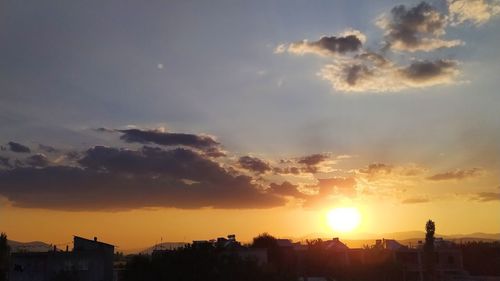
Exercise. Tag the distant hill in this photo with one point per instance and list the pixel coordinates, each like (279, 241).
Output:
(357, 241)
(35, 246)
(405, 238)
(404, 235)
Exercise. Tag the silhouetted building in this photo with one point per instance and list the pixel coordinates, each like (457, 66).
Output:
(90, 260)
(448, 261)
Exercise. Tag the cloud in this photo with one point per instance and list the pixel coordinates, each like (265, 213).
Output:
(254, 164)
(487, 196)
(373, 73)
(105, 130)
(377, 171)
(114, 179)
(430, 72)
(37, 160)
(330, 190)
(476, 12)
(287, 170)
(407, 29)
(419, 28)
(336, 185)
(350, 41)
(415, 200)
(312, 162)
(4, 162)
(19, 148)
(201, 142)
(313, 159)
(287, 189)
(377, 168)
(457, 175)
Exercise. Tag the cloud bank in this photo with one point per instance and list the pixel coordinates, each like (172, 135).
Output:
(168, 171)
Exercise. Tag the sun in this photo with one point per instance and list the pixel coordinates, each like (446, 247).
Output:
(343, 219)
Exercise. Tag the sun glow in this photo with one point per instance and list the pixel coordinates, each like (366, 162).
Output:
(343, 219)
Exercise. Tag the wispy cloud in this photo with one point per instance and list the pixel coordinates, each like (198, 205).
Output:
(457, 174)
(487, 196)
(415, 200)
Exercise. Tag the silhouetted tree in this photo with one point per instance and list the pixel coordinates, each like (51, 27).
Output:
(282, 261)
(429, 254)
(265, 240)
(197, 264)
(4, 256)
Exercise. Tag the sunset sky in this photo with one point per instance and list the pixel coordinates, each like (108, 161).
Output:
(178, 120)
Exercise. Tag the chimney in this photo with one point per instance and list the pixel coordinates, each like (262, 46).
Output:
(95, 239)
(67, 248)
(55, 249)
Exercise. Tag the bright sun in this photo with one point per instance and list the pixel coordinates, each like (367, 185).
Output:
(343, 219)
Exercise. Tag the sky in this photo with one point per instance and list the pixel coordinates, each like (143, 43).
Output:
(183, 120)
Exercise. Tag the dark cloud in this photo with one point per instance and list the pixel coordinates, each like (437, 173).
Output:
(487, 196)
(287, 189)
(457, 175)
(353, 72)
(201, 142)
(415, 200)
(254, 164)
(287, 170)
(416, 29)
(312, 161)
(17, 147)
(423, 71)
(113, 179)
(37, 160)
(352, 41)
